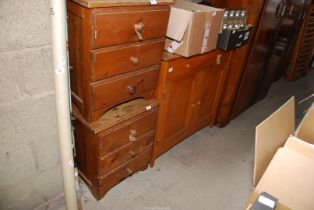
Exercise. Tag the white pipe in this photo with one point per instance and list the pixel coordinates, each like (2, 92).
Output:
(60, 64)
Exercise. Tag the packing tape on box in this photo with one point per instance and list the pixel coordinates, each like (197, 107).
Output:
(205, 39)
(173, 46)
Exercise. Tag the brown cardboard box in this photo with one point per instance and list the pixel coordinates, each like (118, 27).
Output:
(193, 29)
(284, 164)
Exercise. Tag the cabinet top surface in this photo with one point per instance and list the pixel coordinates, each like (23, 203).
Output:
(117, 114)
(113, 3)
(171, 56)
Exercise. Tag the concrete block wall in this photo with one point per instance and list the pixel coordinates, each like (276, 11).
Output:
(30, 171)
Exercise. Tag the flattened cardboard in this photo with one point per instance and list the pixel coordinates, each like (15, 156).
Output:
(289, 177)
(271, 134)
(300, 146)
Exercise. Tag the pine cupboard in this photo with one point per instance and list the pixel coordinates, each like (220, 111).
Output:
(189, 91)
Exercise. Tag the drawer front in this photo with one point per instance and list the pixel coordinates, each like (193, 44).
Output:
(184, 66)
(120, 27)
(130, 132)
(137, 164)
(125, 153)
(106, 93)
(118, 60)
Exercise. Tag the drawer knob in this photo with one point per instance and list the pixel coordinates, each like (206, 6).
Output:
(132, 136)
(132, 153)
(129, 171)
(218, 60)
(130, 89)
(138, 30)
(134, 60)
(198, 102)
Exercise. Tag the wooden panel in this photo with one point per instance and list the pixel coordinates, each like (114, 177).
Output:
(118, 136)
(116, 3)
(122, 59)
(204, 105)
(125, 153)
(86, 151)
(113, 28)
(175, 116)
(106, 93)
(74, 27)
(189, 91)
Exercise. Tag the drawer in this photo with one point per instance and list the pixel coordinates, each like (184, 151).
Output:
(114, 27)
(184, 66)
(120, 136)
(112, 91)
(137, 164)
(118, 60)
(125, 153)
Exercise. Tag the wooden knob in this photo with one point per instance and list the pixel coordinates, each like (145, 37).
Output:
(133, 132)
(198, 102)
(132, 138)
(192, 105)
(132, 153)
(130, 89)
(218, 60)
(138, 30)
(134, 60)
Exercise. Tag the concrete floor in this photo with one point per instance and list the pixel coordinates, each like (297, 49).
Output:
(211, 170)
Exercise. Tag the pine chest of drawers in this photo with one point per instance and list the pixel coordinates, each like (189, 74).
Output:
(117, 145)
(115, 50)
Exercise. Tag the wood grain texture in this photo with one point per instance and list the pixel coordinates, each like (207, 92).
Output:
(116, 115)
(111, 152)
(106, 93)
(115, 27)
(238, 58)
(189, 90)
(108, 62)
(94, 69)
(269, 52)
(116, 3)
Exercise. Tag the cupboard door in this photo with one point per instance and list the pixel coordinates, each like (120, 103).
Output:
(173, 121)
(204, 104)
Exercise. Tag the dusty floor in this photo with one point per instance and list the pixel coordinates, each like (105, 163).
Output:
(211, 170)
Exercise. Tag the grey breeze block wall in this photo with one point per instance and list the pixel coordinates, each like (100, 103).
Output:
(30, 171)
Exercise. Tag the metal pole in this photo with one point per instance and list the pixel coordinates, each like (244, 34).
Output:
(60, 65)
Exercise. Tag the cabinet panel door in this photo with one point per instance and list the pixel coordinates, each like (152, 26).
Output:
(204, 104)
(173, 121)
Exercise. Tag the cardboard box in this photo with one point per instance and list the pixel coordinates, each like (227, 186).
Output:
(230, 39)
(284, 159)
(193, 29)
